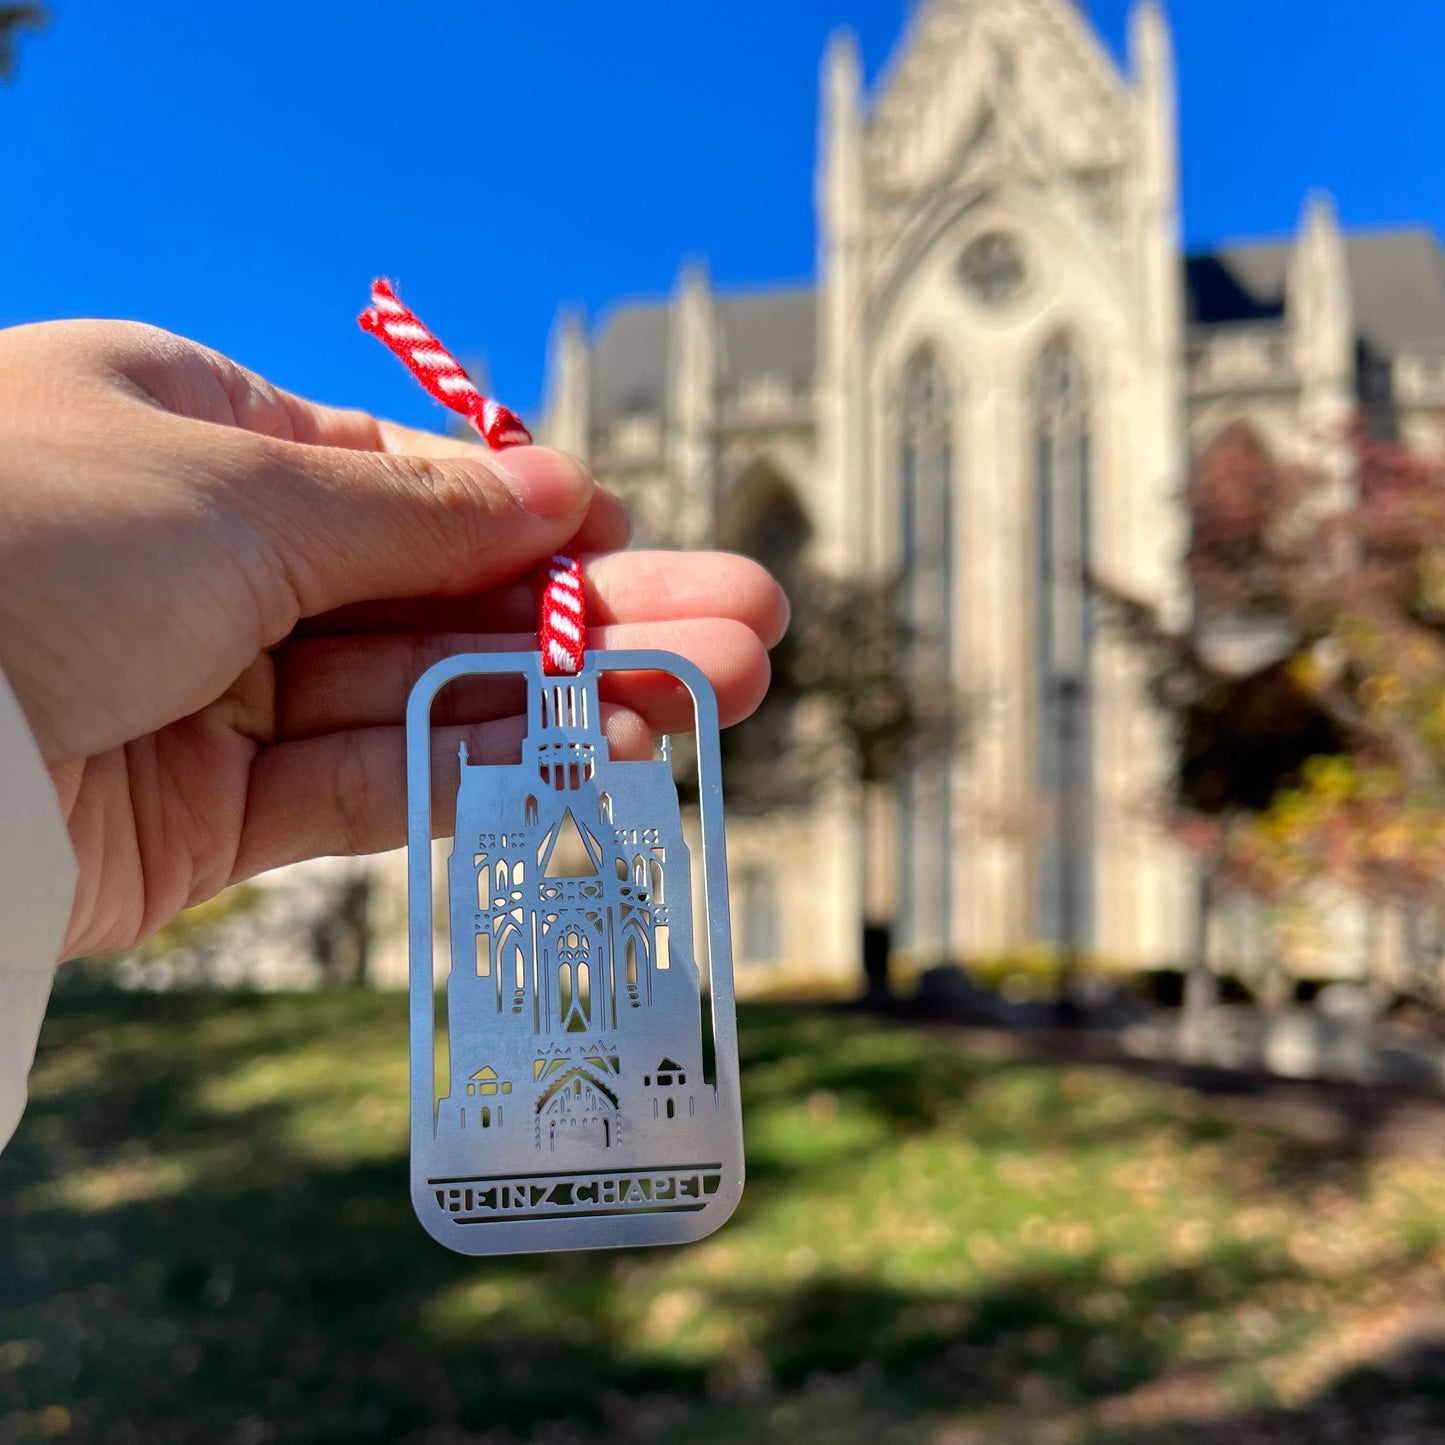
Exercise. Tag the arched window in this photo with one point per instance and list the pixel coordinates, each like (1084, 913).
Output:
(574, 982)
(1063, 643)
(635, 962)
(925, 527)
(762, 518)
(580, 1018)
(510, 958)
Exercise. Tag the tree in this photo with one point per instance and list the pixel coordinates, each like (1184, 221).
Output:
(1309, 690)
(840, 703)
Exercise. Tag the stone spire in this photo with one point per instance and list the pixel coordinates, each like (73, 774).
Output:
(840, 201)
(569, 383)
(1320, 311)
(1157, 265)
(840, 184)
(692, 355)
(1151, 51)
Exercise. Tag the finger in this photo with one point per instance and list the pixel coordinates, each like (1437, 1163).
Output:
(257, 406)
(329, 684)
(338, 527)
(630, 587)
(202, 386)
(346, 793)
(355, 508)
(607, 527)
(398, 503)
(269, 411)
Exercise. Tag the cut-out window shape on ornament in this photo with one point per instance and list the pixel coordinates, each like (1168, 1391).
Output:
(574, 981)
(569, 851)
(485, 1081)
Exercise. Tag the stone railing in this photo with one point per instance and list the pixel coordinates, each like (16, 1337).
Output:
(1224, 358)
(766, 400)
(632, 440)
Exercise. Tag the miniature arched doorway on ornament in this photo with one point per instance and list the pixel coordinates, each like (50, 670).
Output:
(578, 1107)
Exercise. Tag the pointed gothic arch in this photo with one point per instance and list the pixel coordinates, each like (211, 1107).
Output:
(1226, 436)
(636, 951)
(576, 998)
(578, 1101)
(762, 517)
(1060, 409)
(509, 958)
(569, 850)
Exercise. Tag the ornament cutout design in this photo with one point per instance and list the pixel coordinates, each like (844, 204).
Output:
(583, 1102)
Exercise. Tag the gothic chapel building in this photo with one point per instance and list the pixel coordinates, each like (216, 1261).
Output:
(993, 390)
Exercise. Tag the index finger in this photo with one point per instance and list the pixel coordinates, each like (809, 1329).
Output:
(261, 407)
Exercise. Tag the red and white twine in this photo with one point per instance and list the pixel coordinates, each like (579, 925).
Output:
(562, 618)
(438, 370)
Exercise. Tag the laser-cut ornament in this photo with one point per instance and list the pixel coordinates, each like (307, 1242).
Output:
(575, 1105)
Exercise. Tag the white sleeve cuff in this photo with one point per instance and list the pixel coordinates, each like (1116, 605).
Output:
(37, 888)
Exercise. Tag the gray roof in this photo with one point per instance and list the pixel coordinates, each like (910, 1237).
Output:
(1397, 278)
(629, 362)
(771, 331)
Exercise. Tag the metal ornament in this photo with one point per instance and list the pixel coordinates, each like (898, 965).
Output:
(577, 1107)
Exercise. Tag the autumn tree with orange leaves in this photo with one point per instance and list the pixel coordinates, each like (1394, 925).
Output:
(1309, 690)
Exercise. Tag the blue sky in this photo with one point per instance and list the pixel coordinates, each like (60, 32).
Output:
(238, 173)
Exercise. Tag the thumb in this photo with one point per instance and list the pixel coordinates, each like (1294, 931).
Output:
(350, 526)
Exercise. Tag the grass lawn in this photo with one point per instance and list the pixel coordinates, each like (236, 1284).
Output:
(205, 1236)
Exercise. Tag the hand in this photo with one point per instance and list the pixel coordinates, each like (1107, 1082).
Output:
(214, 598)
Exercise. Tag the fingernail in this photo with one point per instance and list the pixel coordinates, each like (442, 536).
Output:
(544, 482)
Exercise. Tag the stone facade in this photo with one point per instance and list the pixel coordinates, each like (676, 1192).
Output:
(994, 389)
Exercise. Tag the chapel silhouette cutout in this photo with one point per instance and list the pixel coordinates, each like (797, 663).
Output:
(574, 1003)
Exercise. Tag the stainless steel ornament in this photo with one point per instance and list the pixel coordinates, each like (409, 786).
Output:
(578, 1108)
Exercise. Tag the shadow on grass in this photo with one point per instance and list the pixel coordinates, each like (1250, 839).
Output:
(227, 1285)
